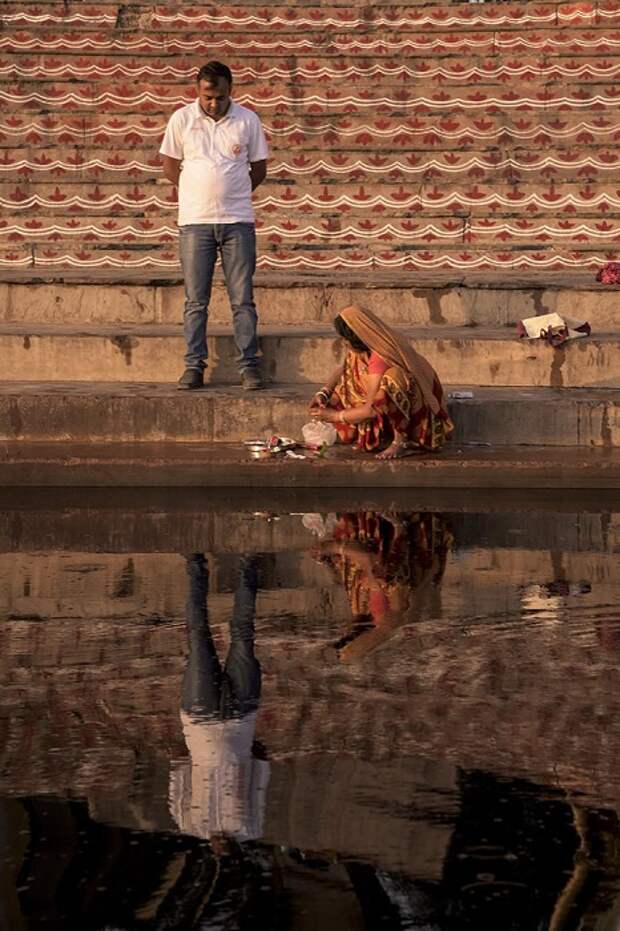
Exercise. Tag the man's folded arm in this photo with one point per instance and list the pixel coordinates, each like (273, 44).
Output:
(258, 172)
(172, 168)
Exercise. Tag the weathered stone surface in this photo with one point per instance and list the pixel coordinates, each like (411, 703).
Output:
(219, 466)
(466, 356)
(159, 413)
(411, 300)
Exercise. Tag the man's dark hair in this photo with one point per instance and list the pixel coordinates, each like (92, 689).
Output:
(344, 330)
(213, 71)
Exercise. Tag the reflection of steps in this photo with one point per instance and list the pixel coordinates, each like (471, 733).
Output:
(209, 525)
(55, 606)
(479, 677)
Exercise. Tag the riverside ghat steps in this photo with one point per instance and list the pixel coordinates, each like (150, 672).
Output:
(524, 392)
(404, 136)
(453, 166)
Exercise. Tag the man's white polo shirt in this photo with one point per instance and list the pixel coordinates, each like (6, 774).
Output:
(215, 185)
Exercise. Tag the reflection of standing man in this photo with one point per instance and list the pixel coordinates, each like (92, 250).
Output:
(215, 151)
(221, 790)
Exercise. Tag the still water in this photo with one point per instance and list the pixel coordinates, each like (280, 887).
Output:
(371, 716)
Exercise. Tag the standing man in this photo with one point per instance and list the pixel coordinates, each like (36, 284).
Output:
(216, 152)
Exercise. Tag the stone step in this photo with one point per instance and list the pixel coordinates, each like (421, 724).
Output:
(39, 156)
(453, 299)
(295, 87)
(401, 16)
(167, 465)
(303, 196)
(457, 43)
(496, 169)
(276, 99)
(44, 261)
(462, 356)
(160, 234)
(302, 69)
(138, 413)
(423, 131)
(323, 22)
(434, 137)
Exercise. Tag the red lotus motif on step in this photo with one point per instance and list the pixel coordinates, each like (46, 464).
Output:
(449, 125)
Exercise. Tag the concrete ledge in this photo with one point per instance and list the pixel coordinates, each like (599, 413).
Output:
(117, 413)
(406, 298)
(304, 355)
(179, 464)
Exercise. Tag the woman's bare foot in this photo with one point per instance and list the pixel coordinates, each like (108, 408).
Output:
(396, 450)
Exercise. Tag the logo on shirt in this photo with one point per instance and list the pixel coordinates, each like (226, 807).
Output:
(236, 150)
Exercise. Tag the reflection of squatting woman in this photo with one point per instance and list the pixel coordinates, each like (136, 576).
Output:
(391, 566)
(221, 790)
(385, 397)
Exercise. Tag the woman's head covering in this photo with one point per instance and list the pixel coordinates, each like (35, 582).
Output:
(394, 349)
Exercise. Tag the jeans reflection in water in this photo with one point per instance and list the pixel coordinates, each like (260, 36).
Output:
(221, 789)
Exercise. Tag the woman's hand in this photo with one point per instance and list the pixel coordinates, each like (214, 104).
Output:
(327, 415)
(320, 400)
(317, 403)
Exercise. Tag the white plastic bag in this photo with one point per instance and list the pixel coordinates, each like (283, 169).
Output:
(317, 433)
(320, 526)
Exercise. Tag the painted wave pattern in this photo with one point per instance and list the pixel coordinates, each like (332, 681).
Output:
(55, 70)
(580, 13)
(593, 42)
(398, 133)
(413, 165)
(340, 209)
(165, 98)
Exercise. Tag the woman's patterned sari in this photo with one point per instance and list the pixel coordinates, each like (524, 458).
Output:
(397, 408)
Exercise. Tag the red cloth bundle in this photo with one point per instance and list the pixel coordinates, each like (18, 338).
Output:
(609, 273)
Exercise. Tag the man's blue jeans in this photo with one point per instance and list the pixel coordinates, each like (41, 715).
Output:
(210, 690)
(198, 248)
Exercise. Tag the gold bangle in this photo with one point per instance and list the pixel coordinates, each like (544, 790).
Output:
(342, 420)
